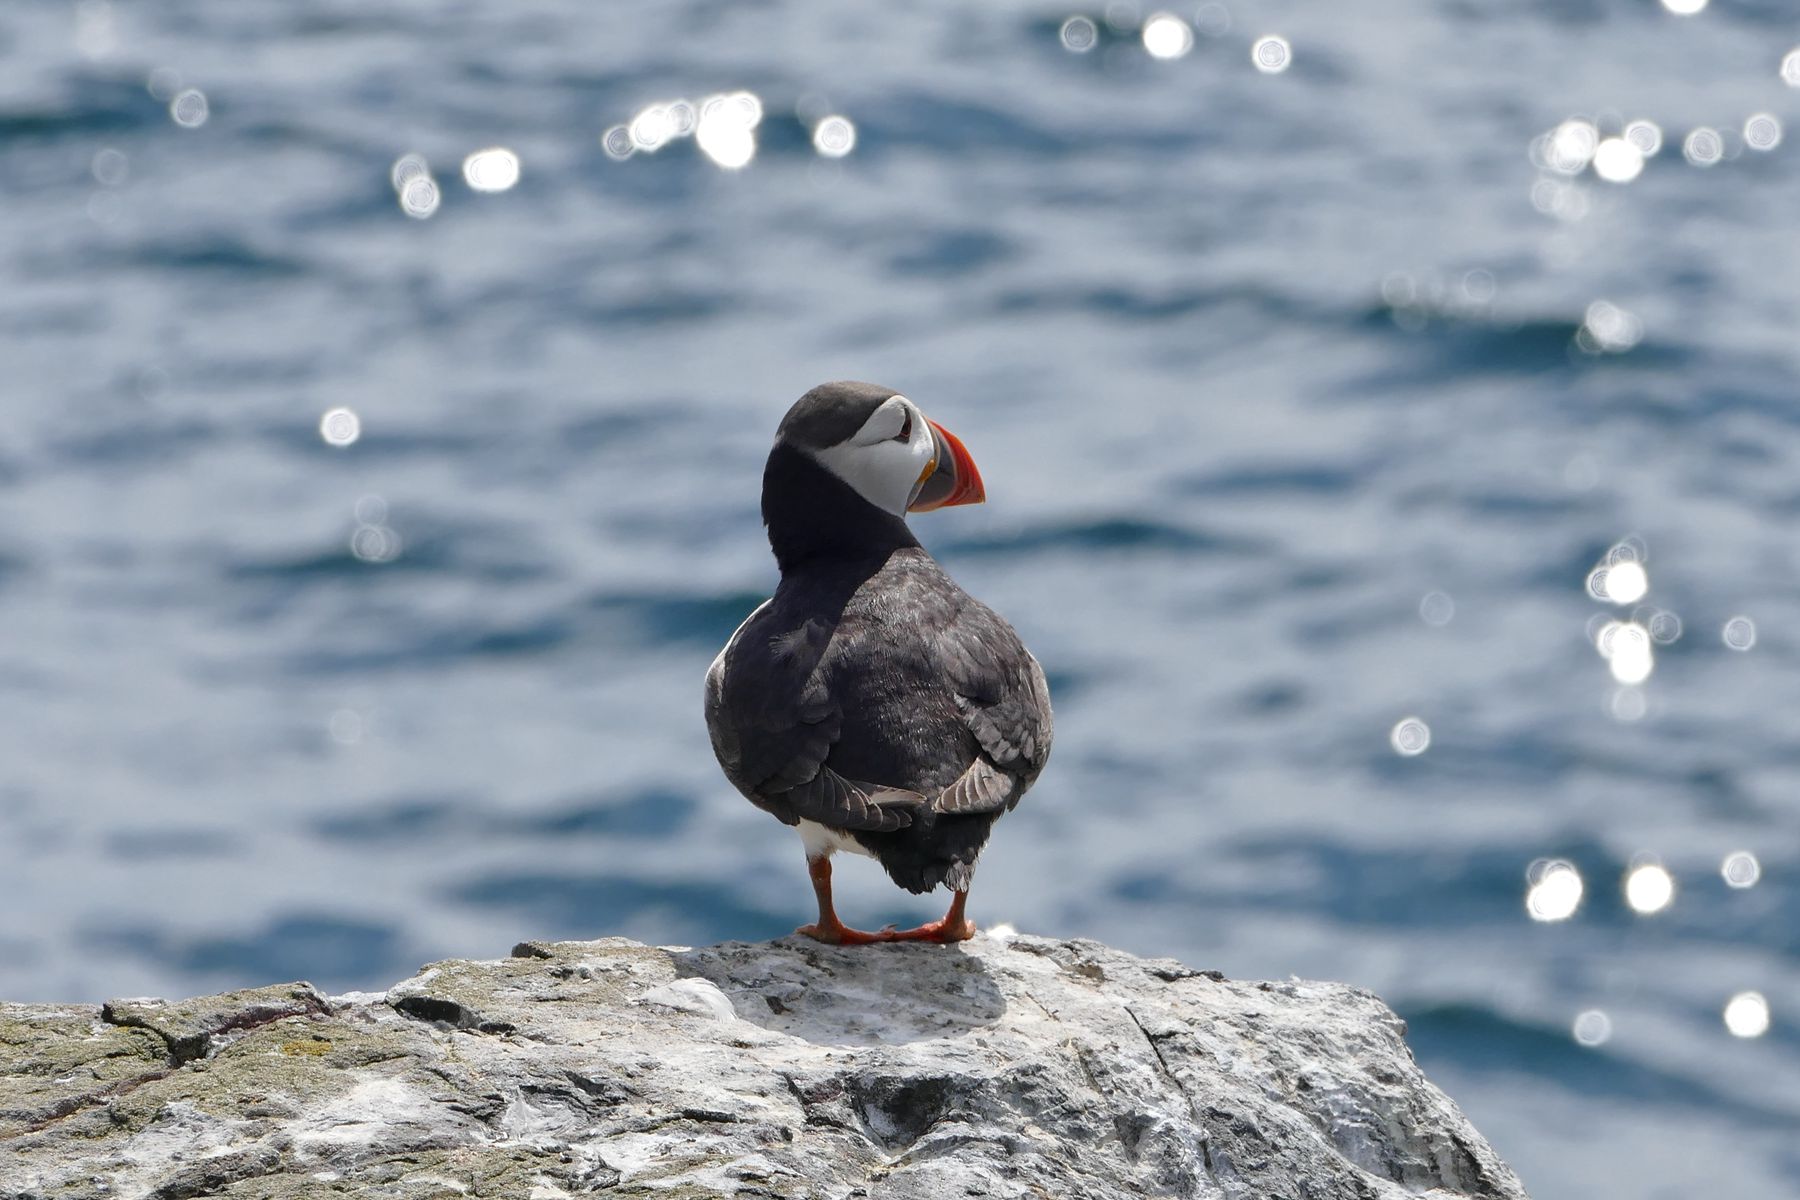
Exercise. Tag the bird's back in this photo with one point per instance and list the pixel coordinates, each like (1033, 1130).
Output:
(905, 682)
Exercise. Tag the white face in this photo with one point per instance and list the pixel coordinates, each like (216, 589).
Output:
(885, 459)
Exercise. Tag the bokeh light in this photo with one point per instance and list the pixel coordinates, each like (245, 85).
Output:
(495, 169)
(1626, 647)
(1272, 55)
(1571, 146)
(1747, 1015)
(1762, 132)
(651, 128)
(1437, 608)
(189, 109)
(1564, 201)
(1555, 891)
(1079, 35)
(406, 167)
(1646, 136)
(1167, 36)
(373, 541)
(1622, 583)
(1739, 633)
(1479, 286)
(1607, 328)
(834, 137)
(1740, 869)
(1703, 146)
(1410, 737)
(1617, 160)
(1790, 68)
(1664, 627)
(420, 197)
(340, 427)
(1592, 1028)
(110, 167)
(375, 544)
(1212, 19)
(1628, 704)
(617, 142)
(726, 129)
(1649, 888)
(723, 127)
(1122, 16)
(1684, 8)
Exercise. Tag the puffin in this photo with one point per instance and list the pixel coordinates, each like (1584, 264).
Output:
(871, 703)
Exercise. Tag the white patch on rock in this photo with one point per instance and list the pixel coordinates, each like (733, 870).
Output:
(698, 996)
(180, 1135)
(372, 1113)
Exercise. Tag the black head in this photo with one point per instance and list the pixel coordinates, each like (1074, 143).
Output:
(850, 461)
(831, 414)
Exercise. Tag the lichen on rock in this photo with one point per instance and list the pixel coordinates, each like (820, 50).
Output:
(1005, 1067)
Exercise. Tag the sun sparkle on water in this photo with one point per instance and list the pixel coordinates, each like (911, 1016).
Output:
(1649, 888)
(1167, 36)
(340, 427)
(1740, 870)
(1592, 1028)
(1703, 147)
(1617, 160)
(834, 136)
(1410, 737)
(1079, 35)
(1746, 1015)
(1555, 891)
(1272, 55)
(1739, 633)
(189, 108)
(495, 169)
(1762, 132)
(1646, 136)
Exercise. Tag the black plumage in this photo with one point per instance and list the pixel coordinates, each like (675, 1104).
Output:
(871, 694)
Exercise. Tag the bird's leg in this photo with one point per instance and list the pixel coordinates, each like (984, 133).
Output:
(829, 928)
(952, 927)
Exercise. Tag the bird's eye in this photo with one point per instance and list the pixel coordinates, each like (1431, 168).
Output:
(905, 434)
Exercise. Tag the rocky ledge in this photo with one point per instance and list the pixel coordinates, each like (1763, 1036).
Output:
(1005, 1067)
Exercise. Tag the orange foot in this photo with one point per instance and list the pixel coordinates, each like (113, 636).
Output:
(836, 933)
(941, 930)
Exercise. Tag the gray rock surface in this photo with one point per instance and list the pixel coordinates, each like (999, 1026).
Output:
(1005, 1067)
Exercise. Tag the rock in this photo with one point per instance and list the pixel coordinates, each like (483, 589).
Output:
(1005, 1067)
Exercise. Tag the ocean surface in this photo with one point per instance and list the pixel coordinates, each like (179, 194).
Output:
(1311, 379)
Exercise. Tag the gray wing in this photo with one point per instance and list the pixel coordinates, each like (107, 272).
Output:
(1002, 696)
(773, 722)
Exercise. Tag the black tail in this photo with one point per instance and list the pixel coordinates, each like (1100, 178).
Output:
(939, 849)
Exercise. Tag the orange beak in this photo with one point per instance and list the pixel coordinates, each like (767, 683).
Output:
(951, 477)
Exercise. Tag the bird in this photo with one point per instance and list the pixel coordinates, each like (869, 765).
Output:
(872, 703)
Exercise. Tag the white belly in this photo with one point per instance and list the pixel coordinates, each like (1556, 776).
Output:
(821, 840)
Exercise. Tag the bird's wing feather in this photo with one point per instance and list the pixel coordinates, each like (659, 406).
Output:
(830, 799)
(1003, 698)
(773, 722)
(980, 789)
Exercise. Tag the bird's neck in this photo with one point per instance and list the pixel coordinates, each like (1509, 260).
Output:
(814, 518)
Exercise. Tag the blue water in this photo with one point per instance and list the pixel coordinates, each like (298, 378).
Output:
(1252, 363)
